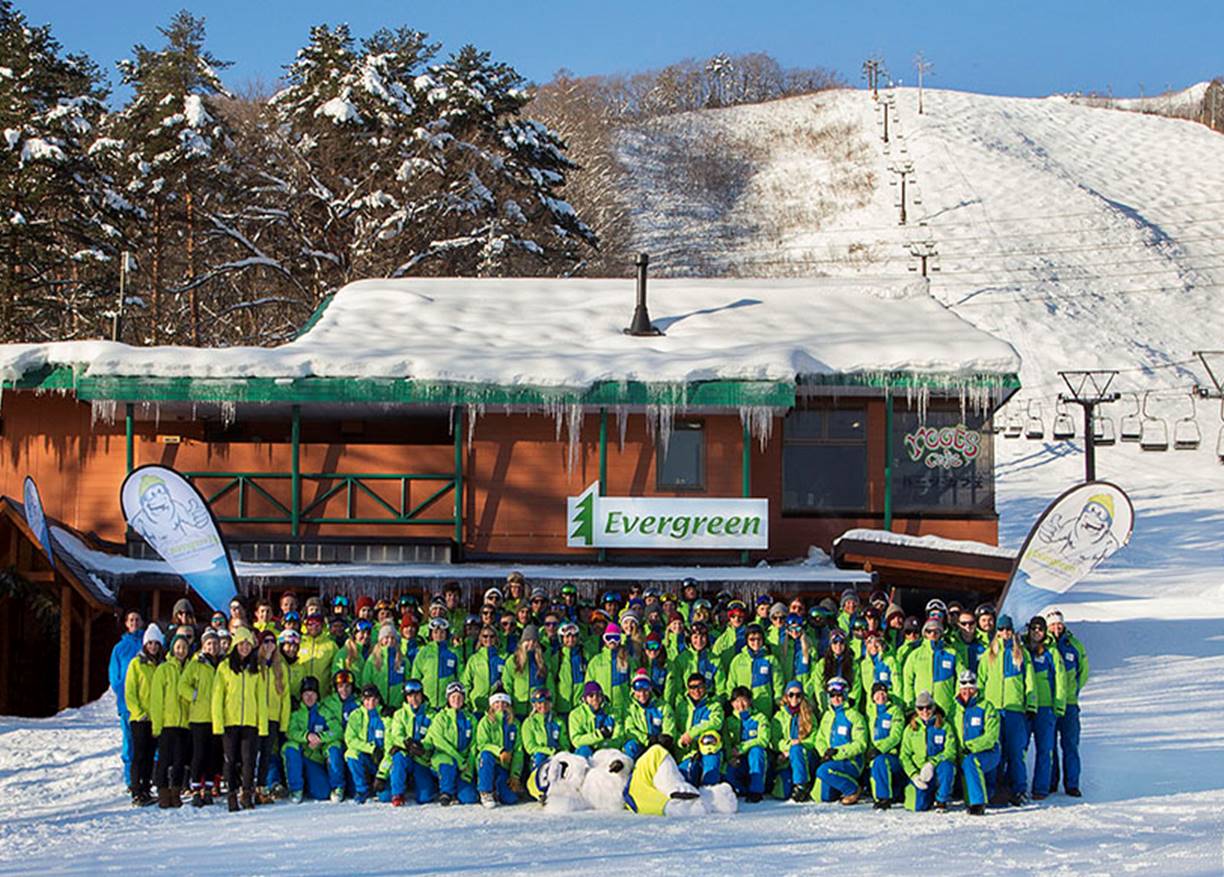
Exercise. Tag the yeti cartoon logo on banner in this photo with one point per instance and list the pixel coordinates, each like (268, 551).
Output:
(169, 514)
(1079, 530)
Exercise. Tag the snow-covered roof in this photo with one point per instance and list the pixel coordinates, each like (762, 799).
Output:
(568, 333)
(934, 543)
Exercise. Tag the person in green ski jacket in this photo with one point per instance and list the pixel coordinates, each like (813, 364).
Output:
(841, 744)
(928, 756)
(168, 712)
(796, 653)
(885, 727)
(697, 658)
(699, 717)
(499, 753)
(746, 736)
(138, 696)
(931, 667)
(613, 669)
(794, 735)
(526, 670)
(406, 750)
(544, 731)
(356, 649)
(591, 725)
(571, 669)
(240, 716)
(1067, 729)
(365, 737)
(876, 665)
(385, 668)
(976, 724)
(731, 640)
(313, 762)
(451, 737)
(436, 664)
(1050, 677)
(756, 669)
(836, 663)
(1006, 682)
(649, 719)
(483, 669)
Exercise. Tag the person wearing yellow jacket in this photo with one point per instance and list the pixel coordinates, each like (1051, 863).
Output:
(928, 756)
(269, 771)
(499, 753)
(885, 726)
(169, 716)
(138, 695)
(841, 743)
(316, 652)
(976, 724)
(240, 715)
(451, 738)
(195, 689)
(794, 734)
(746, 745)
(1050, 677)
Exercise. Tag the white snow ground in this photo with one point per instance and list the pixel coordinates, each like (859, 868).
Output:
(1134, 205)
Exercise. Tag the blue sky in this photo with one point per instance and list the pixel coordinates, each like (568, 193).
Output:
(989, 46)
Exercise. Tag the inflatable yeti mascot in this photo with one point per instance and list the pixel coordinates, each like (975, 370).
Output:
(611, 781)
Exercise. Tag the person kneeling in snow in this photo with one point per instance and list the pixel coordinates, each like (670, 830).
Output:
(649, 719)
(700, 721)
(747, 743)
(451, 734)
(841, 742)
(499, 753)
(928, 756)
(311, 732)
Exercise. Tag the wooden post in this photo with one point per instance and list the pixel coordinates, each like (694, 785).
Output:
(6, 641)
(87, 619)
(65, 656)
(155, 613)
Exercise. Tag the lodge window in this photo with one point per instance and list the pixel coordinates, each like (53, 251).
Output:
(681, 465)
(824, 460)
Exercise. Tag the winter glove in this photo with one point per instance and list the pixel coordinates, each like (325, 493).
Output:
(516, 785)
(666, 741)
(927, 773)
(684, 795)
(415, 748)
(379, 785)
(652, 740)
(606, 731)
(918, 781)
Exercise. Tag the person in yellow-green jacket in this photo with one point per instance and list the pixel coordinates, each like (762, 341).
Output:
(649, 719)
(1050, 678)
(696, 658)
(1006, 682)
(571, 668)
(746, 737)
(1067, 730)
(613, 668)
(841, 743)
(756, 669)
(195, 688)
(356, 649)
(436, 664)
(313, 763)
(529, 668)
(933, 667)
(365, 737)
(406, 751)
(289, 642)
(928, 756)
(592, 726)
(544, 731)
(483, 669)
(876, 665)
(976, 724)
(699, 721)
(168, 713)
(138, 695)
(885, 727)
(731, 640)
(316, 651)
(385, 668)
(451, 738)
(269, 772)
(239, 714)
(499, 753)
(793, 734)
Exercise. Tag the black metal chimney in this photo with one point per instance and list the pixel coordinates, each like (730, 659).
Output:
(641, 325)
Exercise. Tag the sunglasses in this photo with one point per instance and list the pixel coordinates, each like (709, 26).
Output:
(792, 694)
(965, 624)
(697, 686)
(924, 709)
(550, 623)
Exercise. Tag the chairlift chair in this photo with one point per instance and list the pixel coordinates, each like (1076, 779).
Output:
(1132, 424)
(1103, 434)
(1064, 423)
(1034, 423)
(1014, 427)
(1186, 434)
(1220, 437)
(1155, 435)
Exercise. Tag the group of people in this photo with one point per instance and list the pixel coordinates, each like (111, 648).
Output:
(426, 701)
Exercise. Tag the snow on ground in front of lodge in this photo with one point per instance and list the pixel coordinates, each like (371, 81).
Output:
(1134, 204)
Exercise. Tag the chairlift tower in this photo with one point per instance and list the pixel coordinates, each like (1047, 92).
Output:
(1088, 388)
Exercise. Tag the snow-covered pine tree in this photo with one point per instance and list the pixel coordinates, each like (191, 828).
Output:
(173, 148)
(58, 212)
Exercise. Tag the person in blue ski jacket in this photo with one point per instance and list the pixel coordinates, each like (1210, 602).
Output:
(976, 724)
(128, 647)
(1049, 678)
(746, 734)
(364, 743)
(1067, 730)
(885, 726)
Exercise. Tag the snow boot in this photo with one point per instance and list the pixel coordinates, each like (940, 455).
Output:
(397, 800)
(197, 799)
(754, 797)
(337, 796)
(487, 800)
(164, 801)
(941, 806)
(852, 798)
(295, 797)
(176, 797)
(445, 800)
(1016, 800)
(233, 802)
(248, 800)
(977, 809)
(279, 792)
(1075, 793)
(799, 794)
(884, 804)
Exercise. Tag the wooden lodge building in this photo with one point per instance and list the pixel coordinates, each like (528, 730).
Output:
(418, 430)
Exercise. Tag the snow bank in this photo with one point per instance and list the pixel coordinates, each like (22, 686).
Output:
(568, 333)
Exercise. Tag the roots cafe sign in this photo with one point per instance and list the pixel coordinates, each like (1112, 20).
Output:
(948, 447)
(665, 522)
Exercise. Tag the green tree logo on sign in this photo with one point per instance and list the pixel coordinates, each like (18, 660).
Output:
(584, 517)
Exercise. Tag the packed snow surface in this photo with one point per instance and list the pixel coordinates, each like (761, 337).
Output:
(568, 333)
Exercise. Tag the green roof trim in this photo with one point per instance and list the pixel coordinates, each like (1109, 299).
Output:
(315, 316)
(714, 394)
